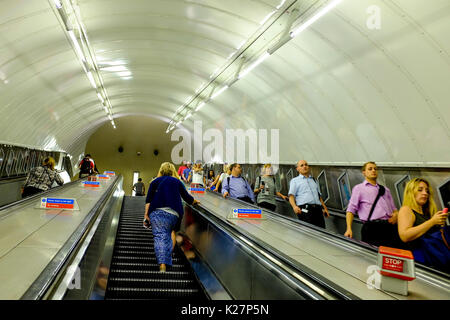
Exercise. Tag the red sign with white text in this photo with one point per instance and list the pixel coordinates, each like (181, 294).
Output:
(392, 264)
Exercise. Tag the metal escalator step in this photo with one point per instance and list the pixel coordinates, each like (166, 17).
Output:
(146, 248)
(131, 242)
(135, 273)
(116, 292)
(134, 258)
(152, 283)
(135, 235)
(146, 265)
(131, 253)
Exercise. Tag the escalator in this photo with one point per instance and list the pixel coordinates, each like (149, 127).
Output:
(134, 272)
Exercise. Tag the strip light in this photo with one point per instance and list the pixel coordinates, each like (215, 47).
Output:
(254, 65)
(316, 17)
(215, 95)
(332, 4)
(82, 42)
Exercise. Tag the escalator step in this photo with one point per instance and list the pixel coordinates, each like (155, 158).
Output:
(134, 258)
(134, 273)
(152, 292)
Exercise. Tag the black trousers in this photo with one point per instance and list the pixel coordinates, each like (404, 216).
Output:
(29, 191)
(381, 233)
(313, 216)
(246, 199)
(266, 205)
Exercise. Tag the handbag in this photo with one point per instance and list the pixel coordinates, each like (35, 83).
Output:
(380, 232)
(433, 249)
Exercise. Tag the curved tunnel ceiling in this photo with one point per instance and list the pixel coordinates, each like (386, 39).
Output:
(339, 93)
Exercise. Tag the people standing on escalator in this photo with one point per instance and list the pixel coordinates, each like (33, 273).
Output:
(184, 177)
(266, 189)
(41, 178)
(218, 182)
(305, 197)
(210, 180)
(181, 168)
(87, 166)
(375, 207)
(196, 176)
(235, 186)
(164, 211)
(422, 227)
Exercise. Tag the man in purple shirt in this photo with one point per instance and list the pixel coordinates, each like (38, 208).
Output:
(382, 228)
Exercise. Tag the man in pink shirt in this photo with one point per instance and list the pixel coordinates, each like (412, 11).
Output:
(382, 228)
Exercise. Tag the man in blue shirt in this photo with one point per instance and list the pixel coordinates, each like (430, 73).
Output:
(236, 186)
(305, 197)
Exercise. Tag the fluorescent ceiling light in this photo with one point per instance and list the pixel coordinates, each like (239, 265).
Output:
(316, 17)
(200, 106)
(91, 79)
(77, 46)
(254, 65)
(57, 4)
(219, 92)
(188, 116)
(267, 17)
(281, 4)
(242, 43)
(115, 68)
(100, 97)
(110, 117)
(124, 74)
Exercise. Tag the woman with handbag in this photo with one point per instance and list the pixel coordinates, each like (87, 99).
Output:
(421, 226)
(41, 178)
(164, 210)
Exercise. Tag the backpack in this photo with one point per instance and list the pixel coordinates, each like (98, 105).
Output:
(86, 166)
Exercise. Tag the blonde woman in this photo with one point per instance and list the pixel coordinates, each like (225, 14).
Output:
(419, 217)
(217, 184)
(41, 178)
(164, 210)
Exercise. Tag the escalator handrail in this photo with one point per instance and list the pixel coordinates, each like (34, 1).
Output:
(422, 271)
(58, 265)
(38, 195)
(292, 269)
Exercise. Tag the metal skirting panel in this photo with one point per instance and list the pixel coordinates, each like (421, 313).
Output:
(242, 274)
(95, 264)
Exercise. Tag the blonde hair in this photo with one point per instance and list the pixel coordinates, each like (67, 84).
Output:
(267, 167)
(409, 199)
(168, 169)
(49, 162)
(365, 165)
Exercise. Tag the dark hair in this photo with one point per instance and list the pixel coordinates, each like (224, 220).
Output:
(233, 165)
(209, 175)
(140, 179)
(87, 155)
